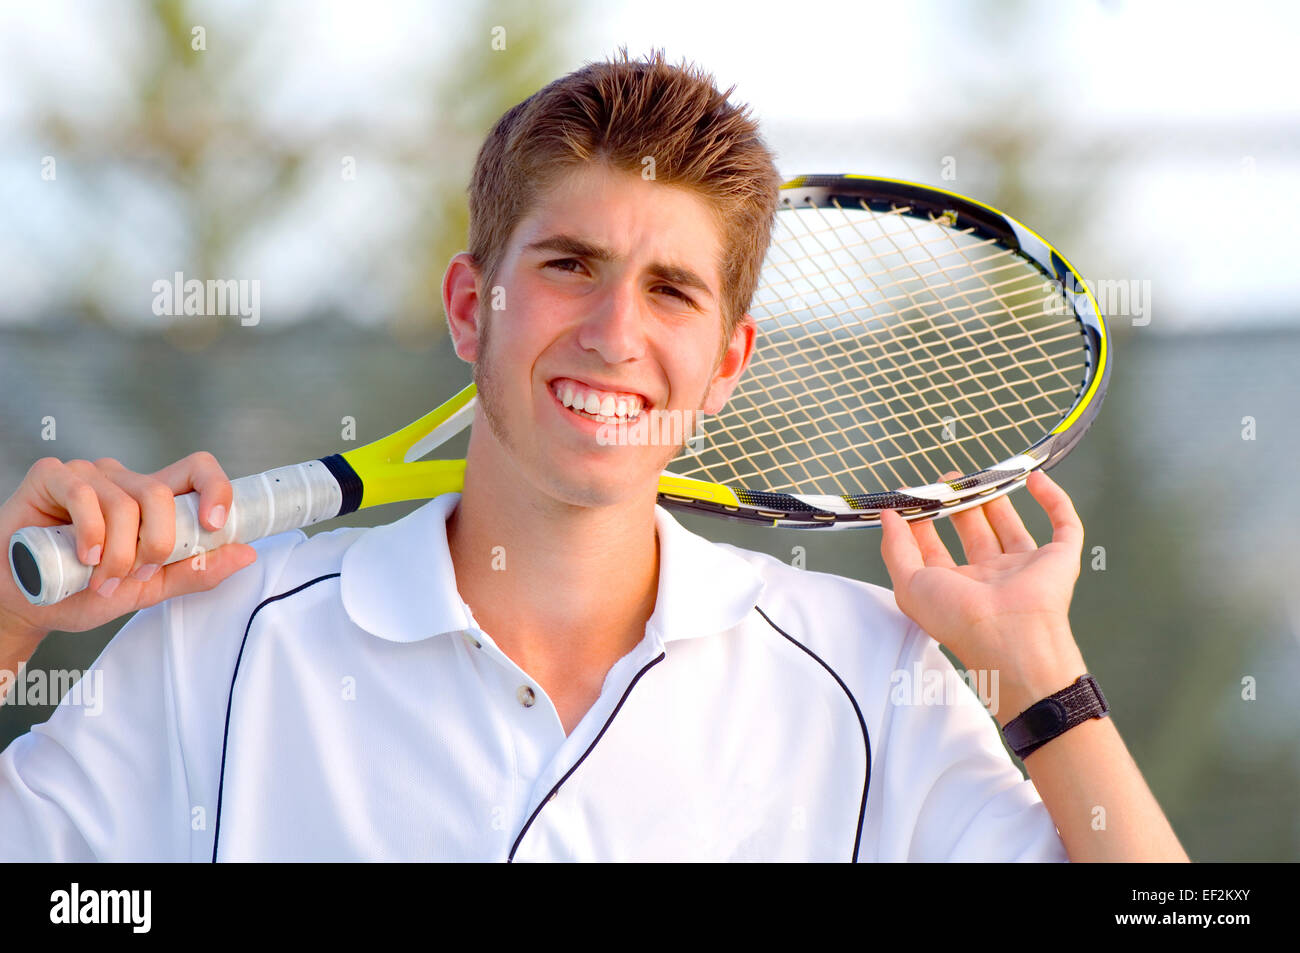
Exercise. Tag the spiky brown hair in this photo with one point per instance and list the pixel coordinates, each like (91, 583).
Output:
(619, 112)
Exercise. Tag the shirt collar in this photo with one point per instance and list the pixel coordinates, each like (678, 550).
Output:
(398, 582)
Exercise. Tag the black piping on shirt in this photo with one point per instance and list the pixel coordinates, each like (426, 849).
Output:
(603, 728)
(866, 741)
(216, 834)
(225, 737)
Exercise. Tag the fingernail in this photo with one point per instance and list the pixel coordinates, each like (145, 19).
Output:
(218, 516)
(92, 557)
(145, 572)
(109, 587)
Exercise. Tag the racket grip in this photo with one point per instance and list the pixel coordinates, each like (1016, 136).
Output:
(44, 560)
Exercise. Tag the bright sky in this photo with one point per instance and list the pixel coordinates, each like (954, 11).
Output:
(867, 59)
(1203, 96)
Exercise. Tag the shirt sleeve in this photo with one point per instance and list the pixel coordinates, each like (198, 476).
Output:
(103, 778)
(951, 790)
(133, 773)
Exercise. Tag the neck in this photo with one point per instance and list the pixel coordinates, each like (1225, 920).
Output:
(560, 588)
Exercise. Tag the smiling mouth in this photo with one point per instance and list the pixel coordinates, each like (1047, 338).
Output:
(593, 403)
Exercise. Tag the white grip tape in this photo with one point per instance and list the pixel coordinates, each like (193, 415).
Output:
(264, 504)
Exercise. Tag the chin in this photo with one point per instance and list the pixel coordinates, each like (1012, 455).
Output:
(596, 492)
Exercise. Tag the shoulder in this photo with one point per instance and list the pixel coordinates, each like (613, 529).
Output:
(941, 785)
(197, 636)
(285, 562)
(854, 627)
(823, 600)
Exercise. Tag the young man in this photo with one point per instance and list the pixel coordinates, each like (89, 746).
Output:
(569, 674)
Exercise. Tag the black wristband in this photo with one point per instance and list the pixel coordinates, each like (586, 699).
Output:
(1055, 715)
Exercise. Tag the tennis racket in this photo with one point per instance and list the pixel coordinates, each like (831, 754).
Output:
(903, 332)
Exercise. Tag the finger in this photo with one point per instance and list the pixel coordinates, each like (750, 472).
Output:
(198, 574)
(1067, 528)
(899, 549)
(1010, 529)
(933, 551)
(978, 540)
(58, 489)
(157, 505)
(121, 528)
(200, 471)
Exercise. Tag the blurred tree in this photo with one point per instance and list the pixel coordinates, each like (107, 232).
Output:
(513, 58)
(997, 115)
(199, 131)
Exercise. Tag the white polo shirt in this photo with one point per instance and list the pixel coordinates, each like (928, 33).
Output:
(336, 701)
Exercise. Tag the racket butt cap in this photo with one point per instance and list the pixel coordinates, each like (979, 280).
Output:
(26, 572)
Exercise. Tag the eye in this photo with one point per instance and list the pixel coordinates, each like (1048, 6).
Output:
(570, 265)
(673, 292)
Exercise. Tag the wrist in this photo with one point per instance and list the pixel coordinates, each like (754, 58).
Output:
(1016, 699)
(18, 638)
(1049, 667)
(1049, 718)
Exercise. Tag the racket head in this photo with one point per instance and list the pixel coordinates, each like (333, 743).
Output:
(903, 332)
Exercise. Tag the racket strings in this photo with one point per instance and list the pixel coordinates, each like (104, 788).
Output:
(912, 290)
(995, 288)
(892, 348)
(1036, 340)
(911, 406)
(736, 450)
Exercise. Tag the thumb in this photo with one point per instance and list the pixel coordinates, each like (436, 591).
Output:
(213, 568)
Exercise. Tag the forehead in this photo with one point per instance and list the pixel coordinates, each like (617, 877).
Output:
(638, 219)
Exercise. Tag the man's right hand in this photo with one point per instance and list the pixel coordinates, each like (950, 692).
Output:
(125, 526)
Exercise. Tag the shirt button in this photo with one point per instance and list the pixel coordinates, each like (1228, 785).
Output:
(526, 696)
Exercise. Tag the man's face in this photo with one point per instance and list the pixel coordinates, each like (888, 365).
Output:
(612, 300)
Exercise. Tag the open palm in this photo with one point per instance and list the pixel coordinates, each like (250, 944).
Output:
(1010, 592)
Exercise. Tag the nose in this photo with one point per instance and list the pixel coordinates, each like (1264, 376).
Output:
(615, 328)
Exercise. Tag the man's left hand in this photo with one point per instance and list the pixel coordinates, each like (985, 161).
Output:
(1007, 609)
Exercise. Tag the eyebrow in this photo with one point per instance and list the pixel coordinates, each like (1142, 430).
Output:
(579, 248)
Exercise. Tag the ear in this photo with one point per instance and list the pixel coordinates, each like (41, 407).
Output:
(460, 300)
(731, 365)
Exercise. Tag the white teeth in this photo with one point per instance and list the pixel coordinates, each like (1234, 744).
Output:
(604, 407)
